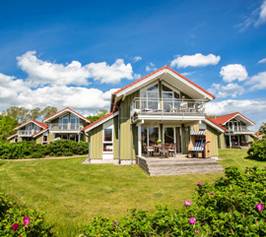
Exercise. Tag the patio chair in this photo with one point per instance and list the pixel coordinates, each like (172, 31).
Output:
(150, 150)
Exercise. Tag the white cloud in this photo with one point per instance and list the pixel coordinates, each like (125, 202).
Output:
(262, 14)
(256, 18)
(18, 93)
(263, 60)
(228, 90)
(110, 73)
(234, 72)
(137, 58)
(150, 67)
(46, 73)
(42, 72)
(257, 82)
(196, 60)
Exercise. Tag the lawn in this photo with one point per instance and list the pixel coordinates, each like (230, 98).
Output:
(72, 193)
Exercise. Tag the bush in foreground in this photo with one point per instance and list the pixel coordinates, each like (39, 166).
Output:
(32, 150)
(18, 221)
(257, 151)
(232, 206)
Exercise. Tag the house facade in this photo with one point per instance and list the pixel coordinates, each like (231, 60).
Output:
(161, 114)
(66, 124)
(237, 132)
(32, 130)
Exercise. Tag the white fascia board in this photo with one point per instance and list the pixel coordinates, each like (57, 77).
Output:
(244, 118)
(101, 122)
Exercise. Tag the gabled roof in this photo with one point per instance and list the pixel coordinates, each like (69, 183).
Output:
(215, 125)
(223, 119)
(61, 112)
(164, 69)
(100, 121)
(36, 122)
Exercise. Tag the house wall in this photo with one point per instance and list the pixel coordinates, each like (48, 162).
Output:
(95, 143)
(127, 146)
(221, 141)
(211, 147)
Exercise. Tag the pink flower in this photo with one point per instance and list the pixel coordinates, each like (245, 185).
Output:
(26, 221)
(187, 203)
(15, 226)
(260, 207)
(192, 220)
(200, 184)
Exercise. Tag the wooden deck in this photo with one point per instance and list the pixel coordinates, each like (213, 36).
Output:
(156, 166)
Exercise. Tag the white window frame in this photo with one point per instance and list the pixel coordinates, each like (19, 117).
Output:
(108, 126)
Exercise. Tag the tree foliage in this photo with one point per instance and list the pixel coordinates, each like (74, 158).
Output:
(232, 206)
(98, 115)
(7, 125)
(262, 129)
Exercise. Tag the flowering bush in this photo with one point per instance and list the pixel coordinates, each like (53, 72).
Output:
(32, 150)
(257, 151)
(17, 221)
(232, 206)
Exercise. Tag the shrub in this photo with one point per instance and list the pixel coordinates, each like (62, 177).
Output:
(232, 206)
(18, 221)
(257, 151)
(32, 150)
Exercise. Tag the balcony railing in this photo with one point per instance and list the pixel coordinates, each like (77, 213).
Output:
(157, 106)
(64, 127)
(239, 129)
(26, 133)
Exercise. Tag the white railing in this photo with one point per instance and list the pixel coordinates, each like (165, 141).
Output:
(26, 133)
(64, 127)
(239, 129)
(168, 106)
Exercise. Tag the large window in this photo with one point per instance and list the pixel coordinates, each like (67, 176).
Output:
(150, 98)
(108, 139)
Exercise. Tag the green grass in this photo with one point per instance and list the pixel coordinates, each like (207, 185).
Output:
(72, 193)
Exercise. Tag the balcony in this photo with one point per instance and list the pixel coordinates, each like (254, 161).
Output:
(26, 133)
(167, 107)
(66, 127)
(239, 130)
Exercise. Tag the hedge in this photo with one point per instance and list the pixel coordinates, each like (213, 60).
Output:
(19, 221)
(257, 151)
(32, 150)
(232, 206)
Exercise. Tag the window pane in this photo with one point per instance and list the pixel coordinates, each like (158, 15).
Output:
(153, 135)
(108, 147)
(108, 134)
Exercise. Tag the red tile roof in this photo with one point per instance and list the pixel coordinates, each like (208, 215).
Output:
(217, 124)
(220, 120)
(98, 120)
(160, 69)
(40, 124)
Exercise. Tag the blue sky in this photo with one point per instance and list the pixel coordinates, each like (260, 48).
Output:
(35, 36)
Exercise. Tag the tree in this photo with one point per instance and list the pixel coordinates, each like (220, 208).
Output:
(98, 115)
(7, 125)
(48, 111)
(35, 113)
(21, 114)
(262, 129)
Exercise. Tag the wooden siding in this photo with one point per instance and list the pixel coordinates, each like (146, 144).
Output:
(96, 143)
(212, 138)
(127, 150)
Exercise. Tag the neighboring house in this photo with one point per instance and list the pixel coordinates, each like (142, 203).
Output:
(32, 130)
(161, 114)
(237, 132)
(66, 124)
